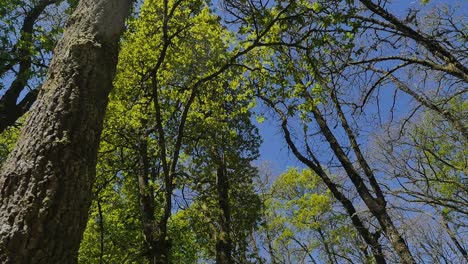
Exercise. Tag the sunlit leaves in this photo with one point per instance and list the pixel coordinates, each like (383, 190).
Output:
(180, 68)
(301, 218)
(7, 141)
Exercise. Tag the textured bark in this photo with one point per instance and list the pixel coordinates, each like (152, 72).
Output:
(223, 240)
(45, 184)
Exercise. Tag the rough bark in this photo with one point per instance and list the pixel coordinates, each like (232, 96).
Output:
(223, 240)
(45, 184)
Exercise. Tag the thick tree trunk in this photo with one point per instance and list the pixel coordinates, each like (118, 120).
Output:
(223, 240)
(45, 185)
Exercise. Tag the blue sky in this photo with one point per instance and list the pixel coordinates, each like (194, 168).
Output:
(274, 150)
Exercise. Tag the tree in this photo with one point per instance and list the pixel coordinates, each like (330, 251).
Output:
(302, 222)
(170, 89)
(223, 178)
(429, 162)
(326, 106)
(46, 181)
(281, 76)
(369, 98)
(173, 78)
(26, 51)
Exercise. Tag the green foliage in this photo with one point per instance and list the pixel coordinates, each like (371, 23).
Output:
(203, 215)
(14, 43)
(119, 226)
(301, 218)
(218, 123)
(180, 65)
(114, 220)
(441, 152)
(187, 247)
(184, 92)
(7, 142)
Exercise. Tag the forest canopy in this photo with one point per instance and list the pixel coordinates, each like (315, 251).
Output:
(236, 131)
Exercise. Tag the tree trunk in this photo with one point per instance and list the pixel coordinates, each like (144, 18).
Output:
(372, 239)
(155, 232)
(146, 200)
(45, 184)
(223, 240)
(162, 249)
(377, 206)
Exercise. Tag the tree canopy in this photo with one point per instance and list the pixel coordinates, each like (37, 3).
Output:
(368, 98)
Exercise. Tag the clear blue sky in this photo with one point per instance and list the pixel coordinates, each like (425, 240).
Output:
(274, 150)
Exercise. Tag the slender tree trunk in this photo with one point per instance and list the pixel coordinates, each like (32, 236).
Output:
(256, 251)
(376, 205)
(101, 232)
(146, 201)
(372, 239)
(155, 232)
(223, 240)
(328, 249)
(163, 248)
(270, 249)
(45, 184)
(454, 238)
(162, 242)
